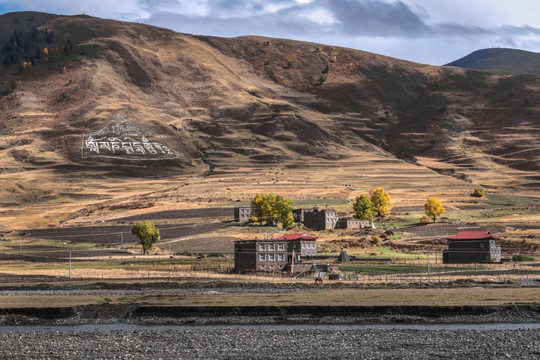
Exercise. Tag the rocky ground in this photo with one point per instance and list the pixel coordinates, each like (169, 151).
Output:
(149, 332)
(272, 344)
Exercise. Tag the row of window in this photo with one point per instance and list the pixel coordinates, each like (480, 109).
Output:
(271, 257)
(271, 247)
(308, 245)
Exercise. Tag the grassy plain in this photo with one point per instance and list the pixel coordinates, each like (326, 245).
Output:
(299, 297)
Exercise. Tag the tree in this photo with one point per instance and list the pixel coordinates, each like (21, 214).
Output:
(478, 192)
(433, 208)
(147, 233)
(380, 200)
(259, 208)
(363, 208)
(9, 87)
(283, 211)
(272, 209)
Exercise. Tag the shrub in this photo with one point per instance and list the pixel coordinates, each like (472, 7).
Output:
(9, 87)
(522, 258)
(478, 192)
(425, 220)
(376, 240)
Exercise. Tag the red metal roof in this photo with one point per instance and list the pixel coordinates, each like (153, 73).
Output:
(297, 237)
(473, 235)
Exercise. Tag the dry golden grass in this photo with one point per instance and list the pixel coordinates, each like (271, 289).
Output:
(220, 108)
(318, 297)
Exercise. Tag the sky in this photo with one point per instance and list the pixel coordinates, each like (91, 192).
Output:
(426, 31)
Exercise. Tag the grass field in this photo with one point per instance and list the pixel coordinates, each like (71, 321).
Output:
(314, 296)
(396, 269)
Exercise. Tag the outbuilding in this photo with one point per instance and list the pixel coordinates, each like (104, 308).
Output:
(472, 247)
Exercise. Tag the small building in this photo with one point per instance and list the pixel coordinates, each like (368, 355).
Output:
(472, 247)
(274, 255)
(343, 257)
(316, 219)
(242, 214)
(298, 215)
(348, 223)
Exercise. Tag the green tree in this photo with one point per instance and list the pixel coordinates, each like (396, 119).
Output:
(380, 200)
(147, 233)
(433, 208)
(363, 208)
(283, 212)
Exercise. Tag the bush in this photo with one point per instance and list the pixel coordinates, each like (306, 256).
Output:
(478, 192)
(425, 220)
(9, 87)
(522, 258)
(376, 240)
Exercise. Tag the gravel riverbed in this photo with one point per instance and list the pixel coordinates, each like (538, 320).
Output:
(234, 343)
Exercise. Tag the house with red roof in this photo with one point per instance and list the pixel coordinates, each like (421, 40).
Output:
(274, 254)
(472, 247)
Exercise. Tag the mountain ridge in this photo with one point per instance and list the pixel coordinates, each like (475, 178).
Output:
(244, 105)
(502, 61)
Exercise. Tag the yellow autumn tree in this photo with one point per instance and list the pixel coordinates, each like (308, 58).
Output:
(433, 208)
(272, 209)
(45, 51)
(380, 201)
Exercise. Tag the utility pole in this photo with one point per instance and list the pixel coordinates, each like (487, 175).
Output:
(122, 238)
(292, 264)
(428, 270)
(69, 262)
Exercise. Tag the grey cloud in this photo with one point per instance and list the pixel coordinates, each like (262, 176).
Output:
(354, 19)
(377, 18)
(264, 25)
(455, 30)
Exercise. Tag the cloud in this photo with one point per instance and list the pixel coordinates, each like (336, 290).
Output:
(377, 18)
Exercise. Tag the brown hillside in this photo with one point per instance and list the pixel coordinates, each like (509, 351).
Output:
(236, 107)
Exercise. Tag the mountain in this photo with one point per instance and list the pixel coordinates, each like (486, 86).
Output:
(228, 117)
(501, 61)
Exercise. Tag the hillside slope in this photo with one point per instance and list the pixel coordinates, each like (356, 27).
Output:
(244, 105)
(501, 61)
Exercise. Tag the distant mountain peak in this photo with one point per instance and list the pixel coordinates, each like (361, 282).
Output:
(502, 61)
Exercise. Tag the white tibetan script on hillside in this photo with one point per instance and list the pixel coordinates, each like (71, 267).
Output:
(122, 139)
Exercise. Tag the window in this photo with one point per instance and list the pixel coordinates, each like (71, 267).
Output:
(262, 247)
(304, 245)
(262, 257)
(271, 247)
(271, 257)
(281, 247)
(280, 257)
